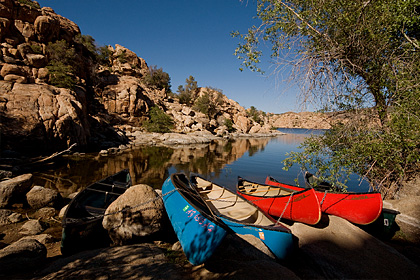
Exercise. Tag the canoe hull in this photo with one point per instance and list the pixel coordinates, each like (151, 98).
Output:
(82, 221)
(302, 206)
(199, 237)
(243, 217)
(280, 243)
(358, 208)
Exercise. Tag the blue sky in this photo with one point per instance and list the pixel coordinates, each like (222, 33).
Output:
(184, 37)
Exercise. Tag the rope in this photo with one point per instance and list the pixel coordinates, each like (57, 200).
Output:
(72, 220)
(284, 210)
(325, 194)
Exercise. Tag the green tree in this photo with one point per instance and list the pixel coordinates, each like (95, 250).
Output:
(187, 94)
(350, 55)
(104, 55)
(87, 41)
(158, 78)
(60, 66)
(205, 105)
(255, 115)
(159, 121)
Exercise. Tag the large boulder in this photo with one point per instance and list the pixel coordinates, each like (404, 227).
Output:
(23, 255)
(42, 118)
(39, 197)
(14, 189)
(339, 249)
(136, 214)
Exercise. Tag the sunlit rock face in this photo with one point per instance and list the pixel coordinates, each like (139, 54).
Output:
(110, 97)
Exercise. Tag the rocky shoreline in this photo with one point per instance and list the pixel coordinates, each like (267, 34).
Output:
(31, 231)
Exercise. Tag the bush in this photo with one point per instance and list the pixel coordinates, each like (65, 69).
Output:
(61, 64)
(186, 95)
(30, 3)
(104, 55)
(229, 124)
(254, 114)
(61, 75)
(37, 49)
(159, 121)
(204, 105)
(88, 42)
(158, 79)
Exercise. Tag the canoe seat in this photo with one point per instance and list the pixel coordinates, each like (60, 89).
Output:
(241, 214)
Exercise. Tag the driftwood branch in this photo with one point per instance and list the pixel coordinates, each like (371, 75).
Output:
(49, 158)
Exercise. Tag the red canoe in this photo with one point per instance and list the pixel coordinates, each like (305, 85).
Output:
(282, 202)
(358, 208)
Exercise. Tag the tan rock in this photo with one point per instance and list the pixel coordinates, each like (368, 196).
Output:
(8, 69)
(37, 60)
(139, 212)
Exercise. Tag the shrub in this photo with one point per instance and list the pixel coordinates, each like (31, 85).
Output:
(122, 57)
(254, 114)
(158, 79)
(61, 64)
(104, 55)
(229, 125)
(61, 75)
(36, 49)
(186, 95)
(159, 121)
(30, 3)
(88, 42)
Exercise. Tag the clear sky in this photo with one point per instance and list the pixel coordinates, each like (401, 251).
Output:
(184, 37)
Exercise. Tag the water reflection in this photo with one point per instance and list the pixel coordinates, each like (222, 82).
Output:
(221, 161)
(149, 164)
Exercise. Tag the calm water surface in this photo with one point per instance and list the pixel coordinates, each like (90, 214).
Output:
(221, 161)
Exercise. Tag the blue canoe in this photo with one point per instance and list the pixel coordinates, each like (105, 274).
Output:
(243, 217)
(199, 236)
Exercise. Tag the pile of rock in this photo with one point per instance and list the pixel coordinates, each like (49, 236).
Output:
(27, 236)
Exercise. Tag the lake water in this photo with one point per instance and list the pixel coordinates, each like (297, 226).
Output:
(221, 161)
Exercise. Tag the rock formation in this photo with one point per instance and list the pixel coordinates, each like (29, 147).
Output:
(56, 90)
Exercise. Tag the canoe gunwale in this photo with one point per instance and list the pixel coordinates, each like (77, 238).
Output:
(275, 226)
(293, 192)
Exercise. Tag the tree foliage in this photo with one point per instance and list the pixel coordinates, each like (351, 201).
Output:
(350, 55)
(187, 94)
(157, 78)
(255, 115)
(159, 121)
(60, 66)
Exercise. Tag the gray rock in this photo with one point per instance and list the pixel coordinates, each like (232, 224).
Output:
(9, 217)
(5, 174)
(43, 238)
(14, 189)
(39, 197)
(32, 227)
(45, 213)
(23, 255)
(139, 212)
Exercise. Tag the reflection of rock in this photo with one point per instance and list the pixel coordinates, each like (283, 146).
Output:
(150, 164)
